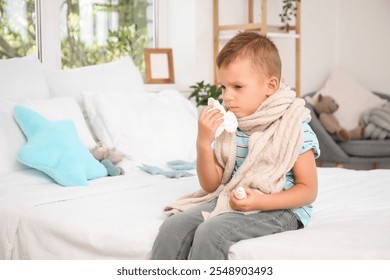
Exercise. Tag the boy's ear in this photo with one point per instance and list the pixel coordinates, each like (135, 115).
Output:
(273, 85)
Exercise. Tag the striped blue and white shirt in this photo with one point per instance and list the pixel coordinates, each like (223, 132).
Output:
(310, 141)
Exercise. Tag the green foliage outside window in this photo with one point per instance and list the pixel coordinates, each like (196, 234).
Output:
(130, 37)
(17, 33)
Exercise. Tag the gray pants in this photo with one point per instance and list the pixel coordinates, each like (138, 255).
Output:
(187, 236)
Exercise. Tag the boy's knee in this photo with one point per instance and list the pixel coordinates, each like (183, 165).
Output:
(169, 224)
(206, 231)
(207, 236)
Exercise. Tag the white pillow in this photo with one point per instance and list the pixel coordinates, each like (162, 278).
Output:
(120, 75)
(148, 127)
(12, 138)
(353, 99)
(22, 78)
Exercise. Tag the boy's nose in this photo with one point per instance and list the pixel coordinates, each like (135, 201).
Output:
(227, 96)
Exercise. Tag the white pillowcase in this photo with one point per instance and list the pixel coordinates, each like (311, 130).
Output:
(120, 75)
(353, 99)
(12, 138)
(149, 127)
(22, 78)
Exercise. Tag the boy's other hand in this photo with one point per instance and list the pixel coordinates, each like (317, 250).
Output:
(250, 203)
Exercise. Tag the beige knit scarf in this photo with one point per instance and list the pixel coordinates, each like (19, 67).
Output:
(274, 144)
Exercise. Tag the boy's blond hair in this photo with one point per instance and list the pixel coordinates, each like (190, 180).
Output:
(259, 49)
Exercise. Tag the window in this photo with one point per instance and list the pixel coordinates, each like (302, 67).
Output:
(86, 32)
(97, 31)
(17, 28)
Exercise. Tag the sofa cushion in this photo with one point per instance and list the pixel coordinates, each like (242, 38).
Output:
(353, 98)
(120, 75)
(367, 148)
(152, 128)
(54, 109)
(55, 148)
(22, 78)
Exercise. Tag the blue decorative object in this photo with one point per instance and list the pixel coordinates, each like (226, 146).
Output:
(154, 170)
(177, 174)
(181, 165)
(54, 148)
(112, 170)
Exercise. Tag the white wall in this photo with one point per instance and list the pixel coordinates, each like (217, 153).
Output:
(352, 33)
(364, 41)
(185, 27)
(318, 42)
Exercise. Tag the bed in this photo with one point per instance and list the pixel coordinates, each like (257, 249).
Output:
(117, 217)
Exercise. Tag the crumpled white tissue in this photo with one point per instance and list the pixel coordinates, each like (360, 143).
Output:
(230, 122)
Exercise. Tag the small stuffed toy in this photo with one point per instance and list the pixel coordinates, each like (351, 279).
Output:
(325, 107)
(109, 157)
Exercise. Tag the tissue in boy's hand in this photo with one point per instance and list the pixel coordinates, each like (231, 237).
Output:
(230, 121)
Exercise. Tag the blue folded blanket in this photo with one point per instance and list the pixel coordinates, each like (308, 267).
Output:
(181, 165)
(178, 166)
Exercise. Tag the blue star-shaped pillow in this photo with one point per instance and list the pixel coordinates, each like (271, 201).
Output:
(54, 148)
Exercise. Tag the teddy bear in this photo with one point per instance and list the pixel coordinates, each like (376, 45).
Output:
(325, 106)
(109, 157)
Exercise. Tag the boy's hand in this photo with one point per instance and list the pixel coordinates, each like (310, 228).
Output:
(250, 203)
(208, 122)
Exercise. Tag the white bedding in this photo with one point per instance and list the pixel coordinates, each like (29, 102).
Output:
(119, 217)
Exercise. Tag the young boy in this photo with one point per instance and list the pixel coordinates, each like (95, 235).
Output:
(272, 155)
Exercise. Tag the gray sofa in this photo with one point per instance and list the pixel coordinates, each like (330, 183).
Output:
(354, 151)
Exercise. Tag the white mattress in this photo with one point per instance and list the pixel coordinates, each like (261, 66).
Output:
(118, 218)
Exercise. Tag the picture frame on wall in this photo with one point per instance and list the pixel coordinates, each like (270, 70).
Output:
(159, 66)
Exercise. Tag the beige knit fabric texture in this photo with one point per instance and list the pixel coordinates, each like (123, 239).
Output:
(274, 145)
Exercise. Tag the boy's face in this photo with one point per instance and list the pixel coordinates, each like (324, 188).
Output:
(243, 87)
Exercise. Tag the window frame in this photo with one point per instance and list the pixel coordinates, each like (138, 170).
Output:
(48, 31)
